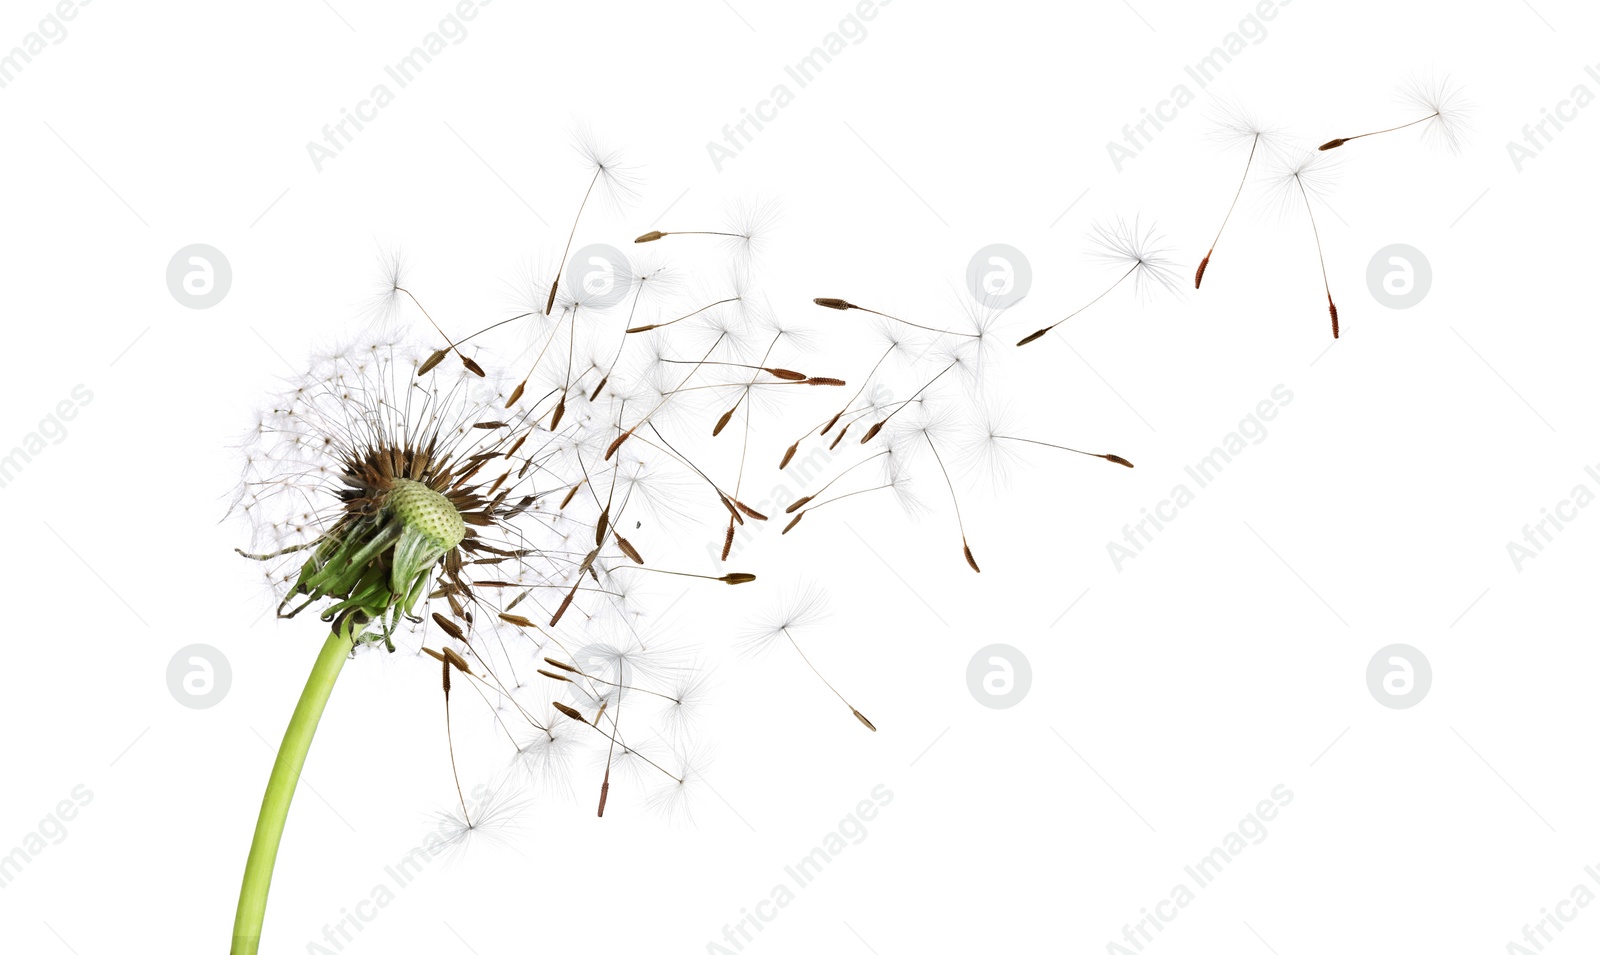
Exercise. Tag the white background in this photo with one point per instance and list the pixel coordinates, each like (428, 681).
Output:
(1228, 658)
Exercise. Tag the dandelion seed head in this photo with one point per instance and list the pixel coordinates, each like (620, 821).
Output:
(1232, 124)
(1299, 174)
(494, 816)
(615, 183)
(1446, 106)
(986, 453)
(799, 610)
(382, 310)
(688, 690)
(750, 223)
(673, 799)
(1135, 247)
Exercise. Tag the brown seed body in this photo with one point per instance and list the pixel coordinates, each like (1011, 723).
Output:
(629, 549)
(432, 362)
(449, 626)
(618, 443)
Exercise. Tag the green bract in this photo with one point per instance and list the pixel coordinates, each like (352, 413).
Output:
(376, 566)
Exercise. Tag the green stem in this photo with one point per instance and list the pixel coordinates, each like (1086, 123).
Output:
(280, 790)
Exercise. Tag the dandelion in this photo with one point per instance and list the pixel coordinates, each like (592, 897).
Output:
(1137, 252)
(399, 497)
(1445, 113)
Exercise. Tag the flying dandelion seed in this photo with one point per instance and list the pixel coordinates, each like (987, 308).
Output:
(800, 612)
(1133, 250)
(745, 229)
(1307, 174)
(1445, 113)
(1234, 126)
(617, 183)
(993, 447)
